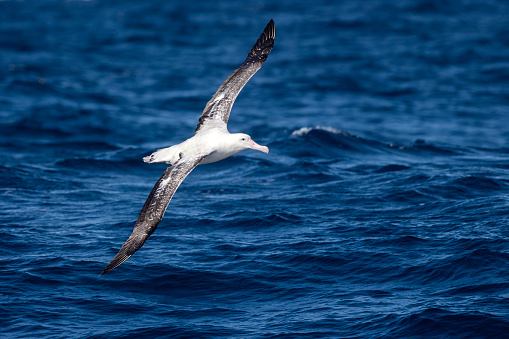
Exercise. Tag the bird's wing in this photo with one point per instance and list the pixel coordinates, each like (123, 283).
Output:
(154, 208)
(220, 105)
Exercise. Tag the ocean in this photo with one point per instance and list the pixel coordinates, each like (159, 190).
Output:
(381, 211)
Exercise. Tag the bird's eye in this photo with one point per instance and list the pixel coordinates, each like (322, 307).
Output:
(243, 139)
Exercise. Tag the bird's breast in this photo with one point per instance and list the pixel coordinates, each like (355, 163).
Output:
(216, 142)
(215, 156)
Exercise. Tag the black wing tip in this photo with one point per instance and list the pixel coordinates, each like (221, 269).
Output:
(271, 28)
(117, 261)
(128, 249)
(264, 44)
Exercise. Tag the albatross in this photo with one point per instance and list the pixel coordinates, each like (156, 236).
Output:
(210, 142)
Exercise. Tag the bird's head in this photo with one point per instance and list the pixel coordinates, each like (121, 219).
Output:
(245, 141)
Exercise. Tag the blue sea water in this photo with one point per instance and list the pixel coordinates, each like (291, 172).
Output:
(381, 211)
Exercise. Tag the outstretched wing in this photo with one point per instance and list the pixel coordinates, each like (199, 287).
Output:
(219, 107)
(154, 208)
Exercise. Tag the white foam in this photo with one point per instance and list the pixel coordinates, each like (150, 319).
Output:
(305, 130)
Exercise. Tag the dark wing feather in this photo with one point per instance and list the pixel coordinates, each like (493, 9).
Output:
(154, 208)
(219, 107)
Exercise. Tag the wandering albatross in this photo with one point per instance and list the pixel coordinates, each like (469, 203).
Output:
(210, 142)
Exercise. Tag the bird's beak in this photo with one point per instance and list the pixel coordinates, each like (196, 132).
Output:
(257, 147)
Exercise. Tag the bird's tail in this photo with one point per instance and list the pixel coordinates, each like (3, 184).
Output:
(132, 244)
(168, 155)
(150, 159)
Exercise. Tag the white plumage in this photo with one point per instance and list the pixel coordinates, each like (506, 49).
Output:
(211, 142)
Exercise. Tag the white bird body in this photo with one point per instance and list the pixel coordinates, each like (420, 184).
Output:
(217, 143)
(211, 142)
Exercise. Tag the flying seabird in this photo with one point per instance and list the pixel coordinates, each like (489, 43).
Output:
(210, 142)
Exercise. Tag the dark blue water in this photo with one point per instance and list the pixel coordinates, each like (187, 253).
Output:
(382, 209)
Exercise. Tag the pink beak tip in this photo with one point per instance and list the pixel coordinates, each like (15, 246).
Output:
(260, 148)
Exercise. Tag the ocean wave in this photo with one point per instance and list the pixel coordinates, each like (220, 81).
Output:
(305, 130)
(442, 323)
(331, 139)
(380, 212)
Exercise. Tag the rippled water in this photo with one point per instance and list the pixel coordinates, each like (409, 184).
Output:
(381, 211)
